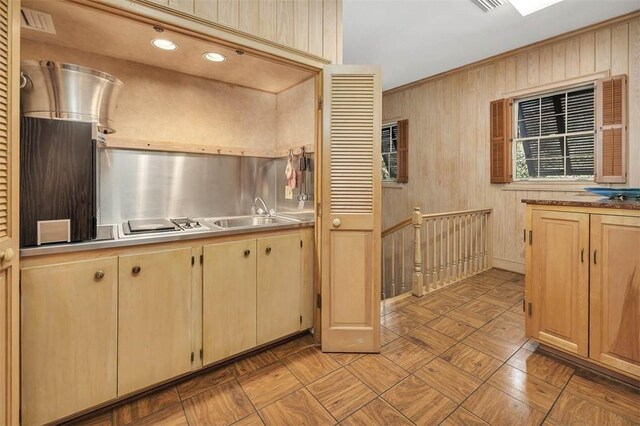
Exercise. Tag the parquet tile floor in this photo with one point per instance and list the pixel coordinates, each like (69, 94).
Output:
(454, 357)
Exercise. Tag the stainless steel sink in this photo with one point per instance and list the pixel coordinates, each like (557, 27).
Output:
(250, 221)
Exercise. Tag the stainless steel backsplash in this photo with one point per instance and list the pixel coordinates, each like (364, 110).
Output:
(136, 184)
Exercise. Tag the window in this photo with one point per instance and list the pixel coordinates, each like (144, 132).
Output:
(554, 135)
(390, 152)
(395, 152)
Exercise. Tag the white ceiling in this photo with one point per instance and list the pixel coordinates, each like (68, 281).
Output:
(413, 39)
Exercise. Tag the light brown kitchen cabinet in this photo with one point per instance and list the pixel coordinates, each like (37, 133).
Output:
(307, 278)
(228, 299)
(560, 274)
(582, 287)
(278, 287)
(69, 341)
(615, 292)
(154, 327)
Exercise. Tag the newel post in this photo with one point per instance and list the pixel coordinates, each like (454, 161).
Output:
(416, 279)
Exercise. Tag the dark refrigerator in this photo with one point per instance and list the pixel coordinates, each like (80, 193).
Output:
(57, 181)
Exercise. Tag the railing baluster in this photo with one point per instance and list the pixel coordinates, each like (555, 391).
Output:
(416, 281)
(393, 265)
(402, 264)
(427, 282)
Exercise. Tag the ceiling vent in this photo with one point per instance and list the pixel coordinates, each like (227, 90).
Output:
(488, 5)
(39, 21)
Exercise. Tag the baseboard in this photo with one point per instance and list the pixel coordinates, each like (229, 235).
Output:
(508, 265)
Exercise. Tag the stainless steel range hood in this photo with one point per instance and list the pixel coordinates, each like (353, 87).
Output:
(69, 92)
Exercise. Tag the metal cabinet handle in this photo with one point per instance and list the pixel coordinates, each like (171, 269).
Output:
(595, 257)
(99, 275)
(268, 250)
(136, 269)
(7, 255)
(247, 253)
(582, 255)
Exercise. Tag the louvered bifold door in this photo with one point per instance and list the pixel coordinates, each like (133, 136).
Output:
(350, 210)
(500, 133)
(9, 184)
(403, 151)
(611, 128)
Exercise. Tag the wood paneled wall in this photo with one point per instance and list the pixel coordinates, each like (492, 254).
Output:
(449, 128)
(296, 117)
(312, 26)
(158, 105)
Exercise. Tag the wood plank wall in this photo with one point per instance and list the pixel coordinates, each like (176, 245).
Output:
(312, 26)
(449, 128)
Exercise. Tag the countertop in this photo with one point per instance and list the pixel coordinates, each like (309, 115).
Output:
(302, 221)
(588, 202)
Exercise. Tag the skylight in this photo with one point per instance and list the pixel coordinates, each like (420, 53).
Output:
(527, 7)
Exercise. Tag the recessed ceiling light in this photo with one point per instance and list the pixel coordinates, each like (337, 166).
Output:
(213, 57)
(526, 7)
(164, 44)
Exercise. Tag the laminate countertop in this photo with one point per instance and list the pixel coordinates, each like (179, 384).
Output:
(588, 202)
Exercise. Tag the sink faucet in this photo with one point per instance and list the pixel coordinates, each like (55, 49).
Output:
(262, 210)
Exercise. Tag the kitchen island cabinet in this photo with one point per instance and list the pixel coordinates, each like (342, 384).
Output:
(228, 299)
(154, 318)
(69, 338)
(582, 286)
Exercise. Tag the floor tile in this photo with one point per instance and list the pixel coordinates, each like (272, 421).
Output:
(503, 329)
(451, 327)
(439, 304)
(496, 301)
(254, 362)
(170, 416)
(144, 406)
(387, 336)
(431, 340)
(506, 293)
(512, 318)
(293, 346)
(298, 408)
(616, 397)
(406, 354)
(345, 358)
(476, 313)
(341, 393)
(102, 419)
(489, 279)
(498, 408)
(573, 410)
(419, 313)
(389, 306)
(222, 405)
(418, 401)
(534, 392)
(377, 412)
(203, 382)
(462, 417)
(502, 274)
(310, 364)
(252, 419)
(472, 361)
(448, 379)
(377, 372)
(398, 323)
(517, 308)
(469, 290)
(269, 384)
(490, 345)
(542, 366)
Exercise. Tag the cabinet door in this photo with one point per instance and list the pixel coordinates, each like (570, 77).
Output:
(308, 278)
(560, 280)
(69, 342)
(615, 292)
(228, 299)
(278, 278)
(154, 326)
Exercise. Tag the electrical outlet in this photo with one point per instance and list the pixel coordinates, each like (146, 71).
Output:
(288, 192)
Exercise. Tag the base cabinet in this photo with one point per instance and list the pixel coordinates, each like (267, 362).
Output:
(154, 327)
(583, 285)
(278, 287)
(228, 299)
(615, 292)
(69, 340)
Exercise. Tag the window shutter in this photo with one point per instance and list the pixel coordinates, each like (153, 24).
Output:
(403, 151)
(611, 128)
(500, 123)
